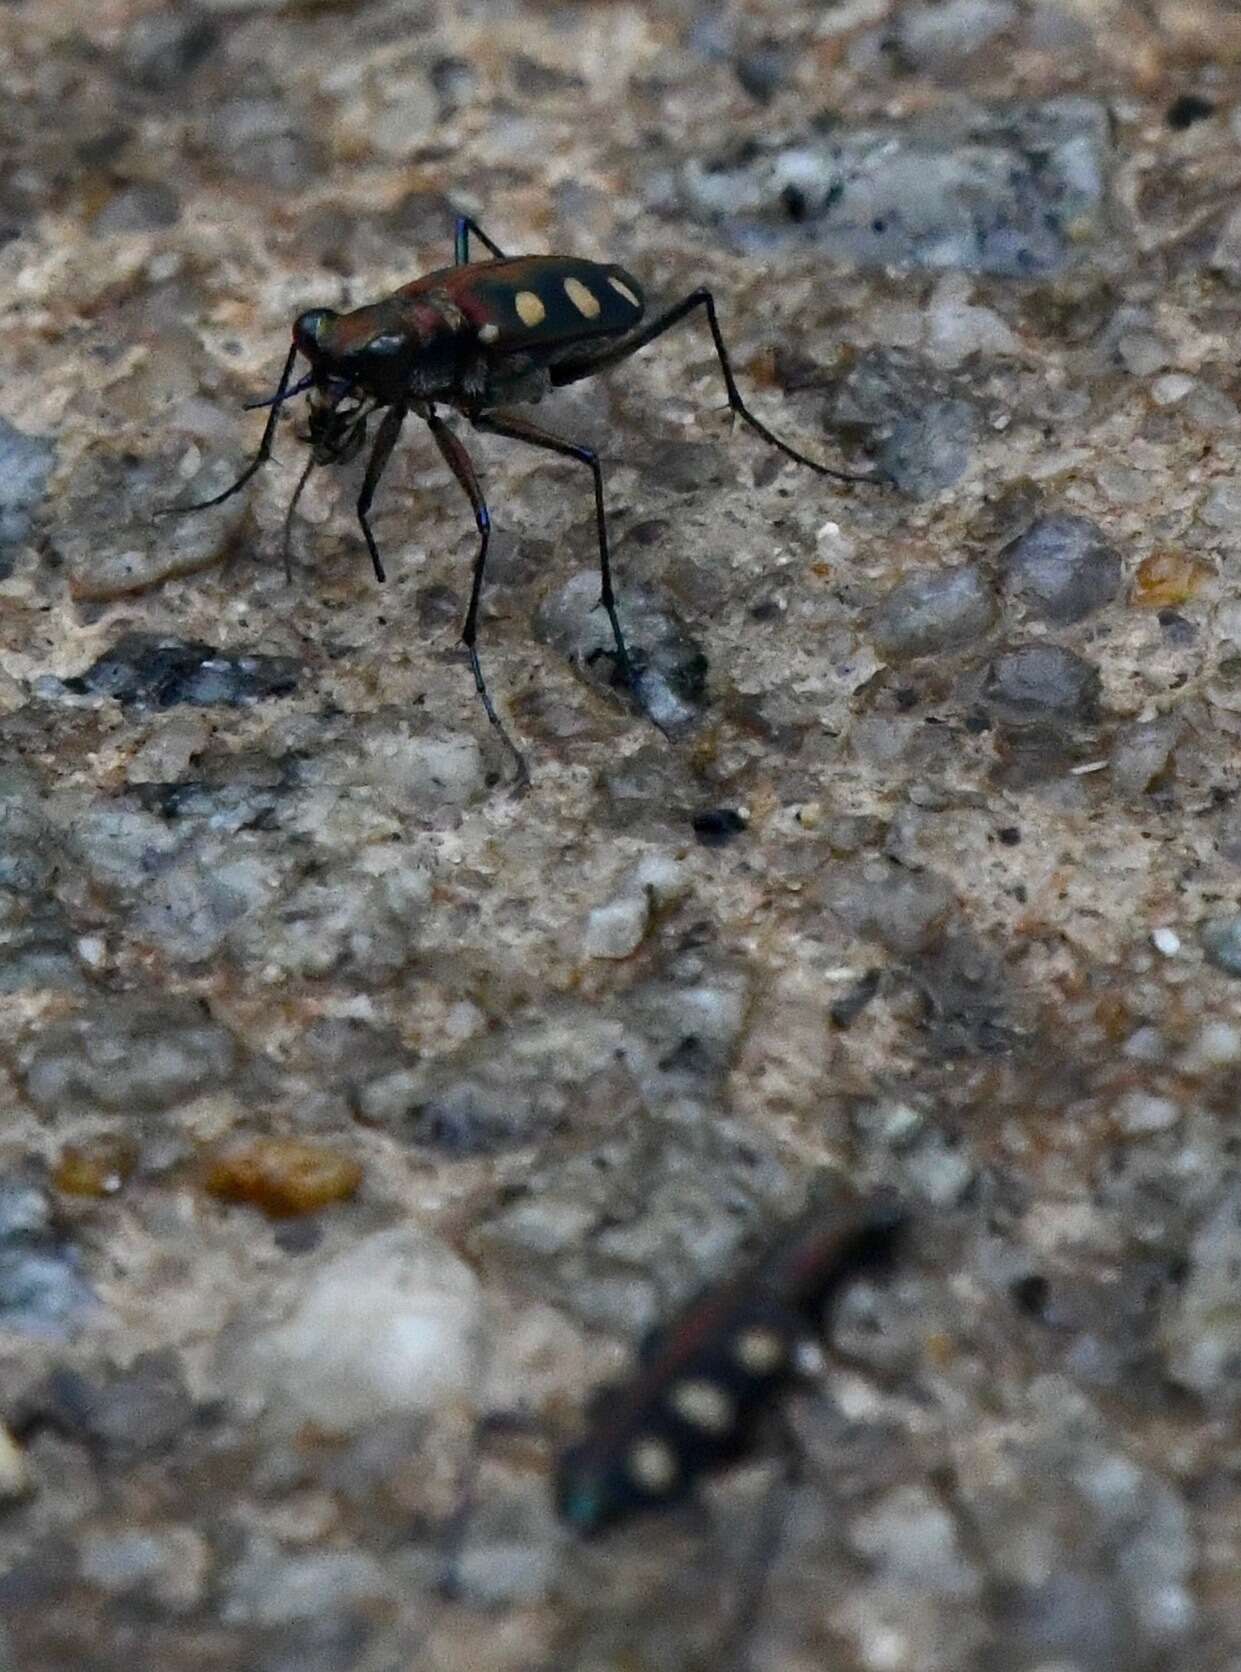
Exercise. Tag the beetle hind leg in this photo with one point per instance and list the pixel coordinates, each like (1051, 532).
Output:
(588, 364)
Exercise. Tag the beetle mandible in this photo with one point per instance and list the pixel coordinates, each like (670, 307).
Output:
(478, 336)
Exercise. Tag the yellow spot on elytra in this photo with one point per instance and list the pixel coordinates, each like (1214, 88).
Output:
(703, 1404)
(585, 301)
(623, 289)
(488, 333)
(652, 1465)
(759, 1350)
(530, 309)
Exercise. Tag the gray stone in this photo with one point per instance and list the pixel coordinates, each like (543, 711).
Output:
(269, 1588)
(25, 464)
(671, 666)
(104, 530)
(1063, 567)
(136, 1055)
(42, 1290)
(1202, 1325)
(1002, 189)
(1042, 684)
(158, 672)
(931, 613)
(930, 450)
(908, 912)
(141, 1411)
(1143, 752)
(169, 1566)
(1221, 941)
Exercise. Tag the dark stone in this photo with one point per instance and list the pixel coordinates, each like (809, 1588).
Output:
(717, 826)
(159, 672)
(1063, 567)
(1045, 684)
(1189, 108)
(165, 47)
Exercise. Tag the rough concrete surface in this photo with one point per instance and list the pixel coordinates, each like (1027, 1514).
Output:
(360, 1116)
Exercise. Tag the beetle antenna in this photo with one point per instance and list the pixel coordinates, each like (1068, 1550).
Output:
(282, 395)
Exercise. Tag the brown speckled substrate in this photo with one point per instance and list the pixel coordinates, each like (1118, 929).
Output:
(936, 885)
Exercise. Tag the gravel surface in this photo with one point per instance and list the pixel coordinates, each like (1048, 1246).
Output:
(359, 1116)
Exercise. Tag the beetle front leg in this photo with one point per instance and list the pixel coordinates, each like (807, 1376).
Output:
(259, 459)
(381, 452)
(462, 467)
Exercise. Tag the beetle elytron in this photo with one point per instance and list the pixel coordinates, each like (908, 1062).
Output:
(477, 336)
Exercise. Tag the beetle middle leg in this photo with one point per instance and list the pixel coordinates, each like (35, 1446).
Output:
(462, 467)
(517, 429)
(586, 364)
(462, 242)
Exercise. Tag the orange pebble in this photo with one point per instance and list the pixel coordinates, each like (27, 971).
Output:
(283, 1176)
(1166, 579)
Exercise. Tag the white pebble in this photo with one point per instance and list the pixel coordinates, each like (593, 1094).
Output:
(1172, 387)
(1140, 1111)
(615, 930)
(390, 1327)
(1166, 941)
(1218, 1042)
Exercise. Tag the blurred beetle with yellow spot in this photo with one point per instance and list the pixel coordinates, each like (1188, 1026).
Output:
(477, 336)
(705, 1379)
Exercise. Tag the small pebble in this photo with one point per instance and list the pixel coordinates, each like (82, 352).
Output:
(930, 450)
(1166, 941)
(1142, 753)
(25, 465)
(283, 1176)
(97, 1167)
(1218, 1044)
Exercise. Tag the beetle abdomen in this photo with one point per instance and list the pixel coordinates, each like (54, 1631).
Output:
(538, 301)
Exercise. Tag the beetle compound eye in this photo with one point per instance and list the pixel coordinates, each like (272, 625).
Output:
(309, 326)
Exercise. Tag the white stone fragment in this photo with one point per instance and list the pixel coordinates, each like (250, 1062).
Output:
(391, 1327)
(615, 930)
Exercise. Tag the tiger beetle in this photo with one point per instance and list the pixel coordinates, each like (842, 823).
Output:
(477, 336)
(705, 1380)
